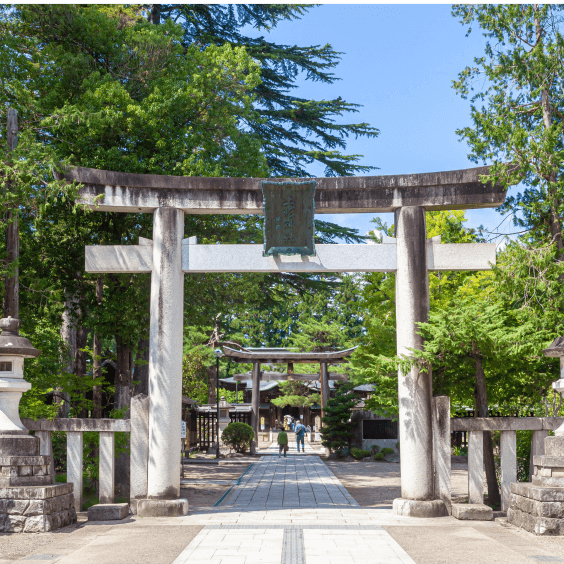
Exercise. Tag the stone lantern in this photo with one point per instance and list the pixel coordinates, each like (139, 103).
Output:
(224, 418)
(556, 350)
(13, 350)
(29, 500)
(536, 506)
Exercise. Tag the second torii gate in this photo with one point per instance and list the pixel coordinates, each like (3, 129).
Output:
(169, 255)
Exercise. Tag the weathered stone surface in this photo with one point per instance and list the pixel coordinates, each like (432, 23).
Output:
(472, 512)
(139, 447)
(496, 424)
(19, 445)
(548, 461)
(548, 482)
(554, 446)
(36, 507)
(552, 509)
(538, 493)
(162, 507)
(165, 354)
(14, 524)
(417, 508)
(16, 506)
(77, 425)
(454, 189)
(534, 524)
(23, 460)
(24, 481)
(414, 387)
(25, 470)
(36, 492)
(108, 512)
(38, 524)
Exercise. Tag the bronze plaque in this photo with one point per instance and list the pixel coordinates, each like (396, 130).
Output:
(288, 209)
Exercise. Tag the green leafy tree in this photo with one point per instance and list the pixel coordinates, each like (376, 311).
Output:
(295, 131)
(517, 108)
(337, 428)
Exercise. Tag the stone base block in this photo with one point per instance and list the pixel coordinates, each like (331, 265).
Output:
(554, 446)
(472, 512)
(108, 512)
(539, 510)
(162, 507)
(19, 445)
(35, 509)
(419, 508)
(534, 524)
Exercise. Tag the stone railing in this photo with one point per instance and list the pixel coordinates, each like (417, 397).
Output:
(443, 426)
(508, 426)
(137, 426)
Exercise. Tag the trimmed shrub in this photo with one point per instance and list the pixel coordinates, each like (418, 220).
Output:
(238, 436)
(359, 453)
(387, 450)
(379, 456)
(374, 449)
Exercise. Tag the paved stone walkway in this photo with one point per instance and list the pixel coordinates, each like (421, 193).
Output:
(279, 485)
(294, 481)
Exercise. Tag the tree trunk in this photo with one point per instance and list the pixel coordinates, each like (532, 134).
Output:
(80, 359)
(123, 377)
(11, 284)
(68, 336)
(123, 399)
(482, 404)
(212, 382)
(97, 360)
(154, 14)
(141, 374)
(555, 221)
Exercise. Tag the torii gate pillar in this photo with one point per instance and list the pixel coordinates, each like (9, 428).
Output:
(414, 387)
(165, 355)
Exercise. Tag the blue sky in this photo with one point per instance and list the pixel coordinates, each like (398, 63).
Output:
(399, 62)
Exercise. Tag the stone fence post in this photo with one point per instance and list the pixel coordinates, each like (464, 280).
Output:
(139, 447)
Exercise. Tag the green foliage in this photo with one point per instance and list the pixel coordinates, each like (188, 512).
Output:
(194, 374)
(379, 456)
(295, 394)
(295, 131)
(387, 450)
(337, 429)
(359, 454)
(517, 101)
(238, 436)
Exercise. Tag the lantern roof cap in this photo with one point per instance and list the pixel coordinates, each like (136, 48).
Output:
(11, 343)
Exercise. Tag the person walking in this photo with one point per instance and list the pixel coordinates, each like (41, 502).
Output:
(300, 434)
(282, 442)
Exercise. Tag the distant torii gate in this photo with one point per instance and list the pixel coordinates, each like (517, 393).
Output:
(256, 357)
(168, 256)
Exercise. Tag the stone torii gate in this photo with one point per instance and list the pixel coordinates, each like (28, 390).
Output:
(168, 256)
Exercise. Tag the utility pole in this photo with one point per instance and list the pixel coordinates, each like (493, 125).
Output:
(11, 285)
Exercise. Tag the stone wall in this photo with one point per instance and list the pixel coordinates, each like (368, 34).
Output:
(367, 444)
(36, 515)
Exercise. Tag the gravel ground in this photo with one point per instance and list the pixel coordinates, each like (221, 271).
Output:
(17, 545)
(377, 484)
